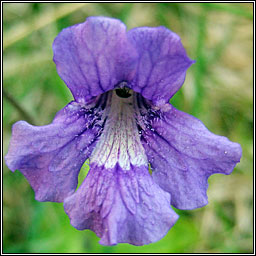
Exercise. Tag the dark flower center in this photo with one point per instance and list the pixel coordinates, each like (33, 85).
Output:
(123, 92)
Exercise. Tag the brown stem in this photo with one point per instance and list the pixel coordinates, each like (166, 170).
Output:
(20, 109)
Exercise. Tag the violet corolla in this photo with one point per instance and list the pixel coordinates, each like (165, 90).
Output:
(121, 119)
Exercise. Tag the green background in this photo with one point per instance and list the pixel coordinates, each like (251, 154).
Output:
(218, 90)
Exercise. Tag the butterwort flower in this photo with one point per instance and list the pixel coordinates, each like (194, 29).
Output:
(121, 119)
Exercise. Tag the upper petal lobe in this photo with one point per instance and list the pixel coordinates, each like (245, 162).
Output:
(95, 56)
(161, 65)
(92, 57)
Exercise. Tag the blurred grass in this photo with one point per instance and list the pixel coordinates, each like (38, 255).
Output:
(218, 90)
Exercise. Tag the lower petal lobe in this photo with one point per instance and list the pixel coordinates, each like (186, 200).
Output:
(121, 206)
(50, 156)
(183, 154)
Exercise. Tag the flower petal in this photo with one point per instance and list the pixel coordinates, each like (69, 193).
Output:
(162, 62)
(118, 194)
(94, 56)
(183, 154)
(121, 206)
(50, 156)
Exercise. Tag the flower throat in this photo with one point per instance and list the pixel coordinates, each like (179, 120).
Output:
(120, 142)
(123, 92)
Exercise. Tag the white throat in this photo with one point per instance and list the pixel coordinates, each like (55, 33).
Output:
(119, 141)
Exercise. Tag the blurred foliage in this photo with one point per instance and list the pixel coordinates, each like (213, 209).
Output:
(218, 90)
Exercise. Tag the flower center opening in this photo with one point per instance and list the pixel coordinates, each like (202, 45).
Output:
(120, 140)
(123, 92)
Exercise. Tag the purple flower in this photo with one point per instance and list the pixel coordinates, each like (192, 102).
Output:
(121, 120)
